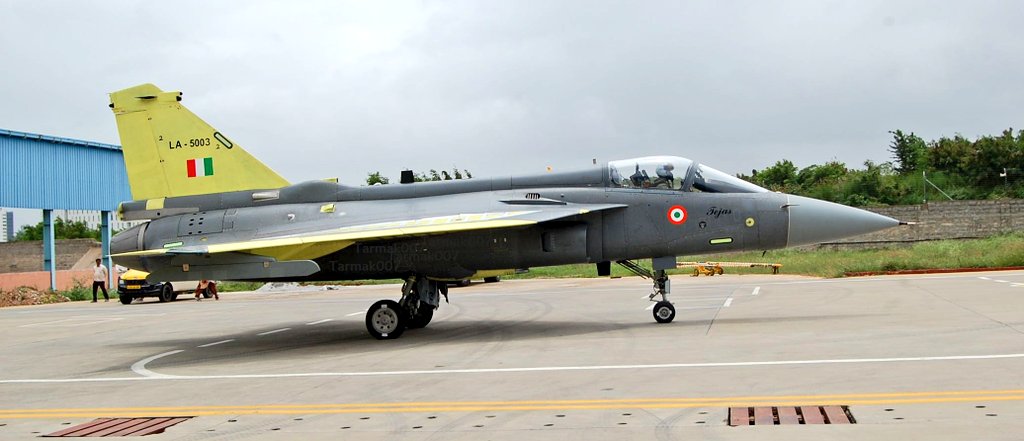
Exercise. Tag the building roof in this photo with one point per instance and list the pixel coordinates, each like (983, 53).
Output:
(52, 172)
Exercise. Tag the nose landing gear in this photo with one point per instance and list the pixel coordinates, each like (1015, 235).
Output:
(664, 312)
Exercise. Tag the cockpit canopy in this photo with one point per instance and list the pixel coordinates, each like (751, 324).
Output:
(674, 173)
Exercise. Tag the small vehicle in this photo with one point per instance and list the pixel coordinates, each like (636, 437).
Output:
(133, 286)
(488, 276)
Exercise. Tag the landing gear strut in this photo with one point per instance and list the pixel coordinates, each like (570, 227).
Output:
(664, 312)
(388, 319)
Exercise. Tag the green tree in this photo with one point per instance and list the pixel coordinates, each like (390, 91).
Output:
(779, 177)
(61, 230)
(909, 151)
(431, 175)
(376, 178)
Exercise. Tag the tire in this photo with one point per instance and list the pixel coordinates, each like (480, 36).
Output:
(664, 312)
(386, 320)
(493, 279)
(206, 293)
(167, 293)
(126, 299)
(422, 317)
(174, 297)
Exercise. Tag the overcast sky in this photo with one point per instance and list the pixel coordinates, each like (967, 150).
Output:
(340, 89)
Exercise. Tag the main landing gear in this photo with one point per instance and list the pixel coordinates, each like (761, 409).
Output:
(664, 312)
(388, 319)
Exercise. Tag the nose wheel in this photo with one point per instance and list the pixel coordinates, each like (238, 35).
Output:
(664, 312)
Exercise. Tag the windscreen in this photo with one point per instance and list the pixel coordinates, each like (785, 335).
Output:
(709, 180)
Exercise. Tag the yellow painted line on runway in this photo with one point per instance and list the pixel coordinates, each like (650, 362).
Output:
(478, 406)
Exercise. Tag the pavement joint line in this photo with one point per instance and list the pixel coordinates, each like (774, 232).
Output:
(319, 321)
(216, 343)
(274, 331)
(140, 368)
(582, 404)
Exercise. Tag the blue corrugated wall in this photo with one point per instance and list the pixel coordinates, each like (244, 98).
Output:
(47, 172)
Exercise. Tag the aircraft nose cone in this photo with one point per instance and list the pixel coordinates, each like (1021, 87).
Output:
(814, 221)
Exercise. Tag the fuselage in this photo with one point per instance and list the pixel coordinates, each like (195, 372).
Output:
(671, 219)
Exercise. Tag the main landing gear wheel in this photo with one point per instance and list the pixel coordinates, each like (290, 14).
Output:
(386, 320)
(664, 312)
(422, 317)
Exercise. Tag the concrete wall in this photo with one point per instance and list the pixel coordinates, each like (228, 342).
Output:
(40, 280)
(27, 256)
(944, 220)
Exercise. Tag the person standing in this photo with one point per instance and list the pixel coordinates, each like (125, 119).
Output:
(99, 280)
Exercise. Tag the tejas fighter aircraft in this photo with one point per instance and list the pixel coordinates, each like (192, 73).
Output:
(215, 212)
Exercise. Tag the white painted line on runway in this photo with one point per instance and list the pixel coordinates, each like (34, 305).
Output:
(216, 343)
(355, 314)
(319, 322)
(984, 278)
(74, 322)
(274, 331)
(727, 302)
(650, 307)
(757, 290)
(1001, 281)
(139, 367)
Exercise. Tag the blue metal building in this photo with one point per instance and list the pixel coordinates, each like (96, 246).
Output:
(50, 173)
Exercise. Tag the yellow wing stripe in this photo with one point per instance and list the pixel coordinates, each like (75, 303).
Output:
(302, 246)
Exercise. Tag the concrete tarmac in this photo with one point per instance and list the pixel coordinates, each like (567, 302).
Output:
(914, 357)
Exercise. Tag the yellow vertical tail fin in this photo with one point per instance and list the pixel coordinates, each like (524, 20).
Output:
(169, 151)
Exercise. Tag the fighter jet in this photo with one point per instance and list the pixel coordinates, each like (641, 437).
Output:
(216, 212)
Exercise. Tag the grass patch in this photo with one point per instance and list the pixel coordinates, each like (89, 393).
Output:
(997, 251)
(78, 292)
(233, 286)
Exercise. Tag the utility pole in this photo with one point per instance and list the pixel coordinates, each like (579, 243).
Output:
(924, 187)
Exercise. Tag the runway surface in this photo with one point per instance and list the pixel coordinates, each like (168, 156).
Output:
(919, 357)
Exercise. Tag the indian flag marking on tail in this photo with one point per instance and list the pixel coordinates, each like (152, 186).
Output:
(199, 167)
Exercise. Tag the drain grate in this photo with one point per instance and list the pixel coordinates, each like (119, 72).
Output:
(770, 415)
(120, 427)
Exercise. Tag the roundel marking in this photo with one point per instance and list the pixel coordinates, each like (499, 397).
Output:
(677, 215)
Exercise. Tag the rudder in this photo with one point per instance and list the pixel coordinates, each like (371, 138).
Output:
(169, 151)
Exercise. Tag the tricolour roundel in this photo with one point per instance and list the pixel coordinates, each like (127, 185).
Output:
(677, 215)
